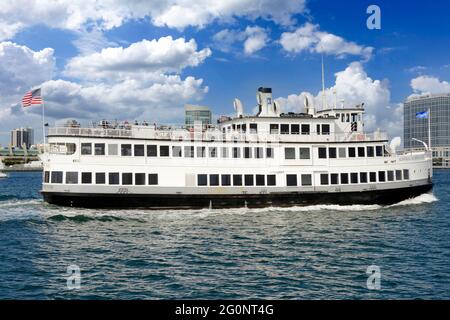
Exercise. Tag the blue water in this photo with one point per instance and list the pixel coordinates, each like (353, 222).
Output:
(297, 253)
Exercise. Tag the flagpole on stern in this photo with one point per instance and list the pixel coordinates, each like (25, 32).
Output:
(43, 120)
(429, 129)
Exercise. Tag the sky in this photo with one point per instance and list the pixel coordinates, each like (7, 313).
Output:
(144, 59)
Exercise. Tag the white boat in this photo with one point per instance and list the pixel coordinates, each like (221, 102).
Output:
(268, 159)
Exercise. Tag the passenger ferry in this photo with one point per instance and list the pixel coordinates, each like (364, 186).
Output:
(270, 159)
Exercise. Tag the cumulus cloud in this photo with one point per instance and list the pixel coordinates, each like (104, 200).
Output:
(253, 39)
(429, 84)
(310, 38)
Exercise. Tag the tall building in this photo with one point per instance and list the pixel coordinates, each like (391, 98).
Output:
(196, 113)
(22, 136)
(416, 127)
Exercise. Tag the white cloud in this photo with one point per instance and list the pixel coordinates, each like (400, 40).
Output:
(429, 84)
(256, 39)
(310, 38)
(107, 14)
(144, 58)
(253, 39)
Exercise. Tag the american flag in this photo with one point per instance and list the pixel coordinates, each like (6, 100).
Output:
(32, 97)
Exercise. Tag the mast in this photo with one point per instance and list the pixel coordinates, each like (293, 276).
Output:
(324, 98)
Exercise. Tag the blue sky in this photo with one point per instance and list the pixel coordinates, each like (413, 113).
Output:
(116, 60)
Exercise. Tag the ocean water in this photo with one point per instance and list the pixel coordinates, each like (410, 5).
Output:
(317, 252)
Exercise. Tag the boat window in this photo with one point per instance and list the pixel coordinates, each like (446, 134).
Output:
(259, 153)
(326, 129)
(322, 153)
(46, 176)
(248, 180)
(127, 178)
(334, 178)
(213, 179)
(269, 153)
(405, 174)
(113, 150)
(72, 177)
(99, 149)
(62, 148)
(381, 176)
(188, 151)
(139, 179)
(354, 177)
(273, 128)
(176, 151)
(398, 174)
(351, 152)
(113, 178)
(152, 150)
(305, 153)
(361, 152)
(86, 148)
(202, 180)
(253, 128)
(226, 180)
(260, 180)
(342, 153)
(244, 128)
(342, 117)
(379, 151)
(139, 150)
(57, 176)
(291, 180)
(289, 153)
(271, 180)
(363, 177)
(86, 177)
(212, 152)
(373, 177)
(224, 152)
(344, 178)
(306, 180)
(247, 152)
(305, 129)
(201, 152)
(390, 175)
(332, 153)
(236, 152)
(237, 180)
(100, 178)
(125, 150)
(370, 152)
(163, 151)
(153, 179)
(348, 118)
(324, 179)
(295, 129)
(284, 129)
(318, 129)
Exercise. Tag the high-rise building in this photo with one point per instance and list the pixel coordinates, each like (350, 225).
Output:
(197, 113)
(416, 127)
(22, 136)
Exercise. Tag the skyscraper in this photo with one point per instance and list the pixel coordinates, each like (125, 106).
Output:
(22, 136)
(196, 113)
(417, 127)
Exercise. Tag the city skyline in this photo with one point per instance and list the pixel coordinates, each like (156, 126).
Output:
(128, 60)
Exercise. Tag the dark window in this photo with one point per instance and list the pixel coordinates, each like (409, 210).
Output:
(379, 151)
(289, 153)
(370, 152)
(305, 129)
(295, 128)
(306, 180)
(405, 174)
(273, 128)
(363, 177)
(100, 178)
(236, 152)
(46, 176)
(176, 151)
(57, 176)
(213, 179)
(269, 152)
(253, 128)
(332, 153)
(247, 152)
(125, 150)
(152, 150)
(99, 149)
(318, 128)
(237, 180)
(351, 152)
(398, 174)
(322, 153)
(138, 150)
(284, 129)
(248, 180)
(127, 178)
(71, 177)
(271, 180)
(324, 179)
(259, 153)
(113, 178)
(189, 151)
(361, 152)
(202, 180)
(291, 180)
(334, 178)
(354, 177)
(201, 152)
(344, 178)
(153, 179)
(139, 179)
(86, 177)
(305, 153)
(390, 175)
(260, 180)
(212, 152)
(226, 180)
(381, 176)
(86, 148)
(373, 177)
(163, 151)
(325, 129)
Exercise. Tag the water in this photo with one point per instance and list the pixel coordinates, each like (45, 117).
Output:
(290, 253)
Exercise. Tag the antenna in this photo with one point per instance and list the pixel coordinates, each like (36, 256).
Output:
(324, 97)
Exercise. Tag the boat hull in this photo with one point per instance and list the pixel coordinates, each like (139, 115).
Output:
(197, 201)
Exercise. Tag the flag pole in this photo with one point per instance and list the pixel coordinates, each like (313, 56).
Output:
(429, 129)
(43, 119)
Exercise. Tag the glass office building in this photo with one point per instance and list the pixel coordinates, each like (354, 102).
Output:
(439, 106)
(196, 113)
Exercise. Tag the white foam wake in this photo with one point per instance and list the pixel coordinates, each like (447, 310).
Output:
(423, 198)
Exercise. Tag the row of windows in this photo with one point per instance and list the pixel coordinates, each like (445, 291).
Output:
(333, 152)
(236, 180)
(364, 177)
(128, 178)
